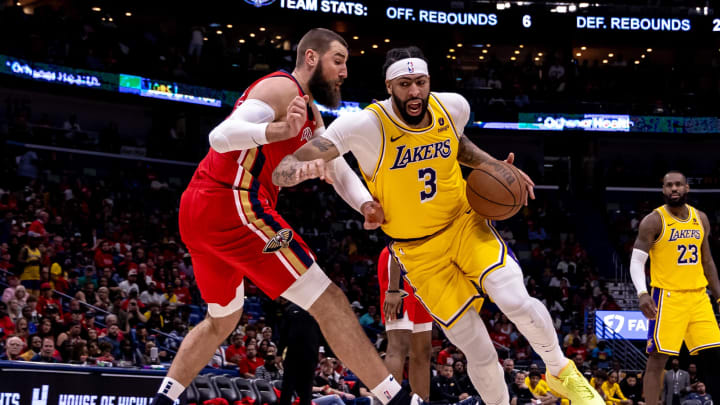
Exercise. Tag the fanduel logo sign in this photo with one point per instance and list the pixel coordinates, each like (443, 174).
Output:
(628, 324)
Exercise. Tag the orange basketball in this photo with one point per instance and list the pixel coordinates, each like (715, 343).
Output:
(495, 190)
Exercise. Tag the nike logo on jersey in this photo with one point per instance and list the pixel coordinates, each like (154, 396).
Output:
(395, 138)
(671, 224)
(407, 155)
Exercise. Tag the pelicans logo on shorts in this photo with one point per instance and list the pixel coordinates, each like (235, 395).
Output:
(281, 240)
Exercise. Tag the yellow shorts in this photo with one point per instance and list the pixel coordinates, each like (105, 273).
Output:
(447, 269)
(682, 315)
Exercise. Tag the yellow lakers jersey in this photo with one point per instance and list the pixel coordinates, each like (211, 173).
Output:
(417, 178)
(32, 272)
(675, 257)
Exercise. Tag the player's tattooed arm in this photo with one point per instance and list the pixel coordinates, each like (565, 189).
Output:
(306, 163)
(470, 155)
(707, 261)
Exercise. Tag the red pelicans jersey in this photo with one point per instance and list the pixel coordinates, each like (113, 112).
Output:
(251, 169)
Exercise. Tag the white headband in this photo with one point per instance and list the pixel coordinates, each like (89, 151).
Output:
(407, 66)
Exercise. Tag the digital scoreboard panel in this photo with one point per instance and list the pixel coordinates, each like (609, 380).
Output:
(511, 20)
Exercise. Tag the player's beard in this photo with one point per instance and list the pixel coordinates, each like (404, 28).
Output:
(410, 119)
(675, 203)
(325, 92)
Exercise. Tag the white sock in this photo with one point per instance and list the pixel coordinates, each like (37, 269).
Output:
(386, 390)
(171, 388)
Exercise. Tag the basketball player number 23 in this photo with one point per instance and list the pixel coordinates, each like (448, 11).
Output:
(429, 176)
(685, 251)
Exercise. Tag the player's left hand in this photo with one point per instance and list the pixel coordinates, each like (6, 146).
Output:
(373, 213)
(391, 307)
(529, 184)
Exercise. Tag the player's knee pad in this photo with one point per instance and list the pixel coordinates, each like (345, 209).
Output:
(470, 335)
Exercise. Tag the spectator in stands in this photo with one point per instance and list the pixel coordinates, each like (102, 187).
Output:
(369, 317)
(326, 380)
(80, 353)
(150, 356)
(14, 310)
(103, 299)
(151, 295)
(267, 333)
(186, 266)
(169, 295)
(602, 354)
(576, 348)
(463, 379)
(597, 381)
(539, 388)
(47, 303)
(7, 326)
(509, 370)
(73, 334)
(47, 352)
(631, 388)
(9, 292)
(519, 392)
(271, 370)
(250, 362)
(613, 393)
(692, 372)
(106, 350)
(131, 282)
(113, 338)
(700, 395)
(235, 352)
(29, 259)
(155, 320)
(34, 348)
(446, 354)
(177, 334)
(444, 387)
(128, 355)
(13, 348)
(676, 383)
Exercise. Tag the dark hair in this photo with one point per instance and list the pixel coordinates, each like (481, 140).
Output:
(675, 172)
(535, 373)
(319, 40)
(601, 374)
(396, 54)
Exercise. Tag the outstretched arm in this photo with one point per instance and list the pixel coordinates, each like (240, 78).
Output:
(306, 163)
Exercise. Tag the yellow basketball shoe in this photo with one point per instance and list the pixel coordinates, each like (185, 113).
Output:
(573, 386)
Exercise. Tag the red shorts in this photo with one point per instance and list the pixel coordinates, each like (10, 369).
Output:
(227, 231)
(415, 316)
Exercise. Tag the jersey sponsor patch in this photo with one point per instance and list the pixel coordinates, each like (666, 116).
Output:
(281, 240)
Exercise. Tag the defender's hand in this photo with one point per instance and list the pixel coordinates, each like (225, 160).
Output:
(296, 115)
(392, 305)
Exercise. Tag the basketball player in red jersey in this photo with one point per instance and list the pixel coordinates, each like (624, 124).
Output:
(229, 223)
(408, 326)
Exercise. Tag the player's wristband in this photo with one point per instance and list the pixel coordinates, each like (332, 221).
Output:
(402, 293)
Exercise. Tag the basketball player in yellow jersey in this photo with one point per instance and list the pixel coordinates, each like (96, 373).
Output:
(409, 147)
(681, 268)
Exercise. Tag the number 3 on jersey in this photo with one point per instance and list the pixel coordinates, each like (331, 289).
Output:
(429, 176)
(688, 254)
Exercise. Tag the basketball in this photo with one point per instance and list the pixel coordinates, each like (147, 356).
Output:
(495, 190)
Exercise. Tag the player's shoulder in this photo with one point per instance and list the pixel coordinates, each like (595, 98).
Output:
(456, 105)
(651, 221)
(450, 99)
(277, 91)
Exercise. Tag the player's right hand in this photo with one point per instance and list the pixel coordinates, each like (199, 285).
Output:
(373, 213)
(311, 169)
(529, 184)
(391, 307)
(296, 115)
(647, 306)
